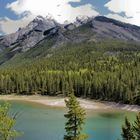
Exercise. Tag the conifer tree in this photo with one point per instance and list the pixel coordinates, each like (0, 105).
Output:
(6, 124)
(136, 127)
(127, 131)
(75, 120)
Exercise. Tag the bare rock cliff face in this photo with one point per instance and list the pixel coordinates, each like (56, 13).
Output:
(28, 37)
(41, 28)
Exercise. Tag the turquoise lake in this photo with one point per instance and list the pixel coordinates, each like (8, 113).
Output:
(39, 122)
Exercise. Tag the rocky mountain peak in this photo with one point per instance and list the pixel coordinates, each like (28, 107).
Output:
(80, 20)
(42, 23)
(30, 35)
(39, 18)
(42, 27)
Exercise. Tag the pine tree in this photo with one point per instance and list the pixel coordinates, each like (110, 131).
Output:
(136, 127)
(127, 131)
(6, 124)
(76, 118)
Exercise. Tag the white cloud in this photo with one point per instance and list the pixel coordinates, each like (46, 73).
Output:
(131, 9)
(10, 26)
(60, 10)
(134, 20)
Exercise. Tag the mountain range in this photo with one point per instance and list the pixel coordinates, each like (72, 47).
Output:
(95, 57)
(84, 29)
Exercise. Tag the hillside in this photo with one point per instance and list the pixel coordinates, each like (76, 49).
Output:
(96, 58)
(54, 35)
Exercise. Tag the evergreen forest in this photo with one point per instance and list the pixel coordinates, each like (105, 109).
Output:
(108, 70)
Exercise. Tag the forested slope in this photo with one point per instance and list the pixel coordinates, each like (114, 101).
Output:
(105, 70)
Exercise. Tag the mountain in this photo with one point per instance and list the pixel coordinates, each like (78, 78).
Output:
(105, 27)
(98, 58)
(40, 30)
(29, 36)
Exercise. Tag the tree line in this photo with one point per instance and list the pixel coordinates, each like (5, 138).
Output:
(113, 78)
(103, 71)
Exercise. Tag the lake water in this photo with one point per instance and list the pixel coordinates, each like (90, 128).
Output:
(39, 122)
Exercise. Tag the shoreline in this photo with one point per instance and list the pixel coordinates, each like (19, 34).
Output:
(59, 102)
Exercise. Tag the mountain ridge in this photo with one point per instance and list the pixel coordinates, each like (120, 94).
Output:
(89, 29)
(35, 30)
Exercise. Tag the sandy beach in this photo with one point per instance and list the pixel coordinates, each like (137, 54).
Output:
(59, 102)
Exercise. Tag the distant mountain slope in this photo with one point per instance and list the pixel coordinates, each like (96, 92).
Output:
(43, 33)
(104, 70)
(71, 52)
(105, 27)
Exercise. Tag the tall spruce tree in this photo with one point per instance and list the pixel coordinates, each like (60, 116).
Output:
(7, 123)
(136, 127)
(127, 131)
(75, 120)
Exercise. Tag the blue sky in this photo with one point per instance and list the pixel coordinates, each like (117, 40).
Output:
(4, 11)
(18, 13)
(99, 4)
